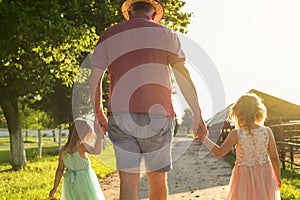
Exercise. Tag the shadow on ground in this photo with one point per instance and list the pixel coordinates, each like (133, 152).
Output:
(190, 173)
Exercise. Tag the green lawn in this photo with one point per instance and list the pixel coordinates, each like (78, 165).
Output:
(290, 189)
(36, 179)
(6, 141)
(290, 184)
(31, 152)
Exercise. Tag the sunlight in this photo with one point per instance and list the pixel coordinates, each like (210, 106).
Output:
(254, 44)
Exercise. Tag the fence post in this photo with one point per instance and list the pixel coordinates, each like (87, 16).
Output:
(26, 135)
(292, 156)
(53, 135)
(59, 139)
(282, 147)
(39, 143)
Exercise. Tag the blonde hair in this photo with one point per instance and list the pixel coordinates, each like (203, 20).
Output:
(79, 131)
(248, 110)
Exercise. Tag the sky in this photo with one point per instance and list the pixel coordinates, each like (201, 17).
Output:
(252, 44)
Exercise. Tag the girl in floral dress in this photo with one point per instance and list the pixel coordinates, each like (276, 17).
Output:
(256, 175)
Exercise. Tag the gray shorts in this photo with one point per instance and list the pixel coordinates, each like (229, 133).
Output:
(141, 135)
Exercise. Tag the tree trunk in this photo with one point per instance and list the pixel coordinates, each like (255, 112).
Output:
(12, 116)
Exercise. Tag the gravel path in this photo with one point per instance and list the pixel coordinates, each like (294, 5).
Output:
(192, 177)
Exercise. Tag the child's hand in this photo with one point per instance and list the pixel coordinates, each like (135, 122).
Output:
(201, 138)
(200, 131)
(279, 183)
(99, 129)
(52, 193)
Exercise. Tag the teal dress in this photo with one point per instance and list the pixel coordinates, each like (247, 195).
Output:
(80, 180)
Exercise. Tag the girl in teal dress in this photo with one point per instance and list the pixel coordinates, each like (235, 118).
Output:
(80, 180)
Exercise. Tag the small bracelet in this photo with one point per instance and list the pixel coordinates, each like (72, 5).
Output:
(208, 143)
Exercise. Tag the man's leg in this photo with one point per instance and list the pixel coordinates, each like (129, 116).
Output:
(157, 153)
(128, 154)
(129, 185)
(158, 188)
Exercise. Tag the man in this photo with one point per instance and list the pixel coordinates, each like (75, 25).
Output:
(140, 55)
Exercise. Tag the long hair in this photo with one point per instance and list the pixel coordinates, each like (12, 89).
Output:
(248, 110)
(80, 131)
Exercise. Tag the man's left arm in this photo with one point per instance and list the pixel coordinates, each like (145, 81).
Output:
(188, 90)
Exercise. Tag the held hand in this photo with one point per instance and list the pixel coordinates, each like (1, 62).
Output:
(99, 130)
(279, 183)
(52, 193)
(104, 126)
(201, 138)
(101, 121)
(200, 130)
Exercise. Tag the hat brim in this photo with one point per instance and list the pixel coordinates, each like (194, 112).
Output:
(159, 8)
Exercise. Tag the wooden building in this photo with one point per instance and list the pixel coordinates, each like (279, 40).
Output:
(279, 111)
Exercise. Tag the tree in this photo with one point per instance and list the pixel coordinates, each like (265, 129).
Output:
(39, 48)
(34, 118)
(42, 45)
(187, 119)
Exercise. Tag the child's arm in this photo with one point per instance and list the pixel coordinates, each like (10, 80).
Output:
(59, 171)
(220, 151)
(274, 156)
(97, 149)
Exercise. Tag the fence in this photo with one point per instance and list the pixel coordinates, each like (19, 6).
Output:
(287, 138)
(53, 137)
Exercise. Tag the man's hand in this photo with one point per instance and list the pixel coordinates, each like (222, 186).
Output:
(200, 129)
(101, 122)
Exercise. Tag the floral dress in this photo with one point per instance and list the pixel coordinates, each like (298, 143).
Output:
(253, 177)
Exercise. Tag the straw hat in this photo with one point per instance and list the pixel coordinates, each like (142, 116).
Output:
(159, 9)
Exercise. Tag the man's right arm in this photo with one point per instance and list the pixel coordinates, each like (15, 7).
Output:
(95, 84)
(188, 90)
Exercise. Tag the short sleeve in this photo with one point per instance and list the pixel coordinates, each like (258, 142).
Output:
(175, 53)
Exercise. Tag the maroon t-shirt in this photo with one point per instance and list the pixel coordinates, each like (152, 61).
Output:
(138, 54)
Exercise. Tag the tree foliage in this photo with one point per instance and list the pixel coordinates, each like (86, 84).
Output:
(2, 120)
(34, 118)
(187, 119)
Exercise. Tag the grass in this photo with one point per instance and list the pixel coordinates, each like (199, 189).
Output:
(6, 141)
(290, 189)
(31, 152)
(36, 179)
(33, 182)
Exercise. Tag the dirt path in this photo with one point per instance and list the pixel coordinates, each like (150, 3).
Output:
(192, 177)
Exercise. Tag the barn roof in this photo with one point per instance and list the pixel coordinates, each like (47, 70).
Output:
(278, 110)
